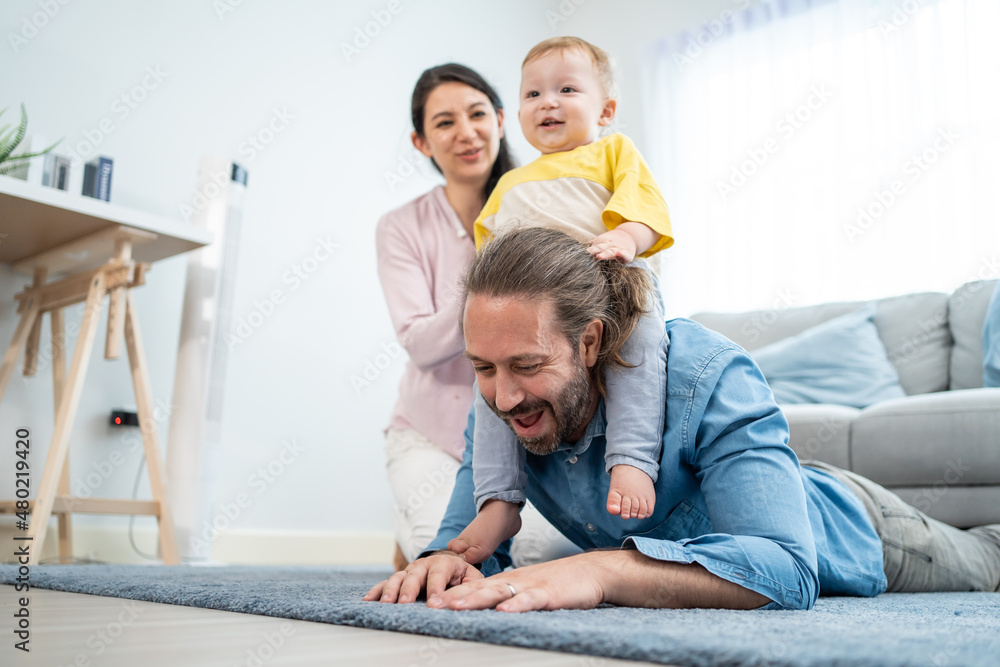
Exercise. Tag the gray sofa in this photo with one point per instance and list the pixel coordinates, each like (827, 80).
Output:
(938, 447)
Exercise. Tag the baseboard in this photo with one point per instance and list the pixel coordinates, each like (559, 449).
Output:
(261, 547)
(110, 544)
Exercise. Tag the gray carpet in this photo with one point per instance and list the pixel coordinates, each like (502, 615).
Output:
(896, 629)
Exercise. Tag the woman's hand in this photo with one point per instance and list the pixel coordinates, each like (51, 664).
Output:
(436, 573)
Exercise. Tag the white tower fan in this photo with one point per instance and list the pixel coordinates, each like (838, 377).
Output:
(199, 379)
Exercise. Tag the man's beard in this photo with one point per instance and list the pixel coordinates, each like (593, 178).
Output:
(573, 403)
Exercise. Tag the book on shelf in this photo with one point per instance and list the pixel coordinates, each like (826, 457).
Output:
(55, 171)
(34, 144)
(97, 178)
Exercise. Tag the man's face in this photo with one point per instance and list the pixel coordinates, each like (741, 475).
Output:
(529, 374)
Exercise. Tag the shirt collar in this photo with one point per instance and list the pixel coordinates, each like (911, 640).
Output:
(449, 212)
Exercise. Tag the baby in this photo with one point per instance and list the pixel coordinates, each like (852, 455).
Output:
(600, 191)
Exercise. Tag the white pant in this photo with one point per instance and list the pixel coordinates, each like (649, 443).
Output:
(422, 478)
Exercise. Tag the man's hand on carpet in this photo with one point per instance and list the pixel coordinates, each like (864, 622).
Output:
(436, 573)
(567, 583)
(621, 577)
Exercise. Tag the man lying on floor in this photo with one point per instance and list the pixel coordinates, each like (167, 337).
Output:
(738, 523)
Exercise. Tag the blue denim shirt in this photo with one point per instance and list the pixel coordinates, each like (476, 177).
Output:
(730, 496)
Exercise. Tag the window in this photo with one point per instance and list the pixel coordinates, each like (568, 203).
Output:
(828, 151)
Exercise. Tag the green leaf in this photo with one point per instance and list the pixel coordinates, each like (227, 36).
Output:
(9, 166)
(26, 156)
(7, 146)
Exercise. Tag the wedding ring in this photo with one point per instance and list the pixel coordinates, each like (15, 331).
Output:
(512, 591)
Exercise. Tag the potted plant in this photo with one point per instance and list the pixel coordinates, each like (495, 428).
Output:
(9, 140)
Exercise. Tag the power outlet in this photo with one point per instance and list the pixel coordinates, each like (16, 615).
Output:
(124, 418)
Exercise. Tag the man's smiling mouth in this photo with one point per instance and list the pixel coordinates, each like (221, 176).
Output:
(528, 420)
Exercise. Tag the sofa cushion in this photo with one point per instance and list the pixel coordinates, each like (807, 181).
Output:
(841, 361)
(950, 438)
(820, 432)
(991, 341)
(757, 328)
(966, 315)
(960, 506)
(914, 328)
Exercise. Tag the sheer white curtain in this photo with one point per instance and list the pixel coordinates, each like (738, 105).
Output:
(835, 150)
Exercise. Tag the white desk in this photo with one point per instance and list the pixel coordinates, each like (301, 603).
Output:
(97, 249)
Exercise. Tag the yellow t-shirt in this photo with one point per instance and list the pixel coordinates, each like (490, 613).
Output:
(583, 192)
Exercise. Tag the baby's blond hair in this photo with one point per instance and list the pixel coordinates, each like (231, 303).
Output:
(598, 56)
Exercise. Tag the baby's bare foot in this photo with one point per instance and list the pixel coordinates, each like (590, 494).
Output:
(496, 522)
(631, 494)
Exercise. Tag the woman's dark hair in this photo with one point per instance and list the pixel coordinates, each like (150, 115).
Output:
(453, 72)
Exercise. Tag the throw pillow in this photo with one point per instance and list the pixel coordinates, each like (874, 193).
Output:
(841, 361)
(991, 342)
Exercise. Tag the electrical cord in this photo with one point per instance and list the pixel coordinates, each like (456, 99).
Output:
(131, 517)
(131, 521)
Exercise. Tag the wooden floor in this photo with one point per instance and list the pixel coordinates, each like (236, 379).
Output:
(92, 631)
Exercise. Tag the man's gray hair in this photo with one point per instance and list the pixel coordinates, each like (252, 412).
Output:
(534, 262)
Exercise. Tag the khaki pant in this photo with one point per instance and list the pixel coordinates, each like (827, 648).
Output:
(921, 554)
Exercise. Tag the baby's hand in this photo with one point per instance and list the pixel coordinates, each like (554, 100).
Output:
(613, 244)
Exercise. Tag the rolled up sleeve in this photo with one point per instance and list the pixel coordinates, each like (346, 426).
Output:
(751, 482)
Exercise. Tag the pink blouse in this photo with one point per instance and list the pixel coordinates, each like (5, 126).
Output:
(423, 251)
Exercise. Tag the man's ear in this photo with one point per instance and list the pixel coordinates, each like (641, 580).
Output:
(608, 112)
(590, 342)
(420, 143)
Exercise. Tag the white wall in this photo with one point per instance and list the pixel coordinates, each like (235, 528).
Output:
(223, 77)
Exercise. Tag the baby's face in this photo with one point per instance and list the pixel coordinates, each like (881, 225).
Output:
(563, 103)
